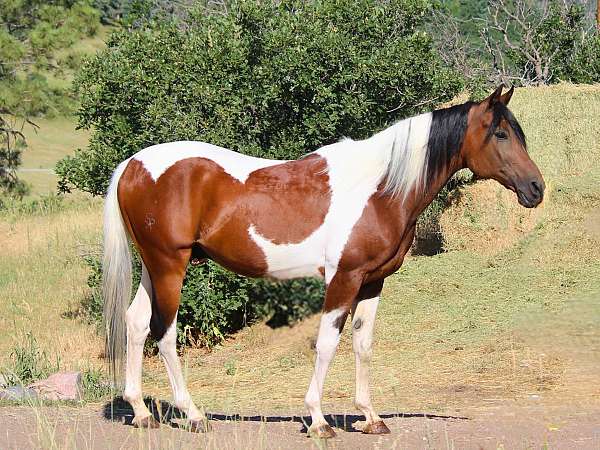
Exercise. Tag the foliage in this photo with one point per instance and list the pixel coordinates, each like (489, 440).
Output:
(31, 94)
(535, 43)
(517, 41)
(269, 80)
(31, 34)
(28, 362)
(12, 143)
(94, 385)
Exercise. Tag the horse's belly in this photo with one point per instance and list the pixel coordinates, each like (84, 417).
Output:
(286, 261)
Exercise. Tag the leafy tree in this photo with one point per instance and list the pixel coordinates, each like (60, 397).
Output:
(12, 143)
(269, 80)
(30, 33)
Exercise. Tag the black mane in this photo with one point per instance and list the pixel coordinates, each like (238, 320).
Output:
(446, 135)
(448, 128)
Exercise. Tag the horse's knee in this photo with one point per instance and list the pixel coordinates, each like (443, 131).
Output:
(362, 344)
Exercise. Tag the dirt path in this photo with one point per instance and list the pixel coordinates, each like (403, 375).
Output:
(506, 426)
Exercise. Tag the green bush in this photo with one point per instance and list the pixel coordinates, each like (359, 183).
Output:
(270, 79)
(216, 302)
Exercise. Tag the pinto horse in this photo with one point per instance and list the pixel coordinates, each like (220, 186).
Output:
(345, 213)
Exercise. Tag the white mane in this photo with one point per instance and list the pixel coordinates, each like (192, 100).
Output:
(397, 154)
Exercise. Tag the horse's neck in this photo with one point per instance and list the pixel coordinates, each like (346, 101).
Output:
(410, 208)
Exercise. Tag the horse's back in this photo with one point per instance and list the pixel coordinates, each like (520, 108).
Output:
(157, 159)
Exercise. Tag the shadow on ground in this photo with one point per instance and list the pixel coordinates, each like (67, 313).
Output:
(118, 410)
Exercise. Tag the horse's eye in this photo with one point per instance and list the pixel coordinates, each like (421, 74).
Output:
(501, 134)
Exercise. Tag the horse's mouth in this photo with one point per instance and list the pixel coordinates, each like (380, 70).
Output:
(527, 202)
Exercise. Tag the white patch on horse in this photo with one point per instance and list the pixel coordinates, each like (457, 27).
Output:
(327, 342)
(285, 261)
(158, 158)
(355, 169)
(351, 185)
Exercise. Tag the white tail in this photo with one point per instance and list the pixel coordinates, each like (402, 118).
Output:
(116, 278)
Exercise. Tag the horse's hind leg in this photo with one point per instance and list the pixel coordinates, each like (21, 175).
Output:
(138, 325)
(167, 290)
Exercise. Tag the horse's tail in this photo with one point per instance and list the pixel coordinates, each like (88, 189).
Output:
(116, 278)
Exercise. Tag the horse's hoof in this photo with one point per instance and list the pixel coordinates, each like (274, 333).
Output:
(146, 422)
(322, 431)
(376, 428)
(197, 426)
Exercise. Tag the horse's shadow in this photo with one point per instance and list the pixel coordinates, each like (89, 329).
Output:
(119, 410)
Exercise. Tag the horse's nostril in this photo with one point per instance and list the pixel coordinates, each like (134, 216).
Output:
(536, 188)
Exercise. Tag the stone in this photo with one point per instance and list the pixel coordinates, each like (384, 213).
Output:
(59, 386)
(17, 393)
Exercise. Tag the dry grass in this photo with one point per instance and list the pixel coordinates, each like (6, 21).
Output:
(509, 312)
(42, 275)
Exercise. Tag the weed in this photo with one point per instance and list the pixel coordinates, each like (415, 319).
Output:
(28, 362)
(95, 385)
(230, 367)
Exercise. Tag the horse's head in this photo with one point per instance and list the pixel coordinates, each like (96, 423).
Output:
(494, 147)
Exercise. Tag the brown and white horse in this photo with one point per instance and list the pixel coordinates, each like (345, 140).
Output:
(345, 212)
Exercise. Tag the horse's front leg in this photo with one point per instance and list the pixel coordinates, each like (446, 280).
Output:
(340, 294)
(363, 321)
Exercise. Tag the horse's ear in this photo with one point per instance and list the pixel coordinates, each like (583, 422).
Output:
(493, 98)
(505, 98)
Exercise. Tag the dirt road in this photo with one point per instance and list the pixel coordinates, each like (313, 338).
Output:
(506, 426)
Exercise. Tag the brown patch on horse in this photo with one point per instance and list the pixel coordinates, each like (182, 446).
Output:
(290, 200)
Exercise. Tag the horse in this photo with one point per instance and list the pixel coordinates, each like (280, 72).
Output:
(345, 213)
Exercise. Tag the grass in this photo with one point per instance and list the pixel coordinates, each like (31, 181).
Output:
(42, 276)
(55, 138)
(509, 311)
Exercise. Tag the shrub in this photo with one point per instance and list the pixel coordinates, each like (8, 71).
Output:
(270, 79)
(216, 302)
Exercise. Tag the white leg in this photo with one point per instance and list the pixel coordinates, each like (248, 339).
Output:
(138, 326)
(363, 322)
(168, 351)
(327, 342)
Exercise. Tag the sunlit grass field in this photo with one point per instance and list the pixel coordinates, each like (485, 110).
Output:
(509, 312)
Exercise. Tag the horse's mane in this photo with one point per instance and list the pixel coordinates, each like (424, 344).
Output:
(423, 145)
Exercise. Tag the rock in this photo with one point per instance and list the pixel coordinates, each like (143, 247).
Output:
(17, 393)
(59, 386)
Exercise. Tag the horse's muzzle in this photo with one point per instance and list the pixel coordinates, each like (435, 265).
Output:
(531, 194)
